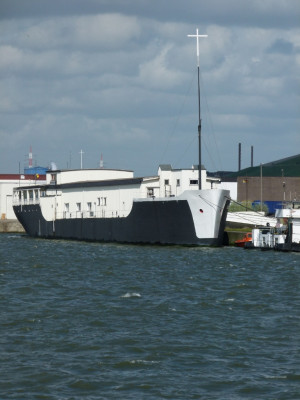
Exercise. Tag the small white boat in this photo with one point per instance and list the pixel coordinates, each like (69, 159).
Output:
(285, 236)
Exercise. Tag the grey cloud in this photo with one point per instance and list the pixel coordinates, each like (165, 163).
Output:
(230, 12)
(281, 46)
(119, 77)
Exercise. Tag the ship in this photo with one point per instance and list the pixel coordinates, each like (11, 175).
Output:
(113, 206)
(284, 236)
(174, 207)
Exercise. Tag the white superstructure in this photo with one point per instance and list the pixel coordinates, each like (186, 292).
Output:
(106, 193)
(285, 231)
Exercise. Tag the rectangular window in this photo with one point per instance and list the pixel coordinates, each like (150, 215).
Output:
(78, 205)
(150, 192)
(193, 181)
(166, 181)
(67, 207)
(178, 182)
(101, 201)
(89, 206)
(53, 179)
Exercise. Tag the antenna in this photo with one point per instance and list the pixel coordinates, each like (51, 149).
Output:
(197, 36)
(81, 153)
(30, 158)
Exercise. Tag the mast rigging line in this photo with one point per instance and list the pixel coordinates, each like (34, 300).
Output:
(171, 134)
(211, 129)
(188, 146)
(242, 205)
(211, 204)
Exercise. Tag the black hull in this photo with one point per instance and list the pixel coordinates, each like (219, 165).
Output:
(284, 247)
(287, 247)
(149, 222)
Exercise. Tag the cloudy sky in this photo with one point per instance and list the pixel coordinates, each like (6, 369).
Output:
(119, 78)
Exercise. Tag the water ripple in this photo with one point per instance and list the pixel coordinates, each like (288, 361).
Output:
(104, 321)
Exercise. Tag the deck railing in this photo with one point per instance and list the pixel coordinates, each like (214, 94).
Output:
(24, 202)
(108, 213)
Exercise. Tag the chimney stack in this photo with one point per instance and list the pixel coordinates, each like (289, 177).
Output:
(240, 155)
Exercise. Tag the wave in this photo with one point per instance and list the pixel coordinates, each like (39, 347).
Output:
(129, 295)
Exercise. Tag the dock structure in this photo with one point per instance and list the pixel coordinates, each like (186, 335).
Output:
(10, 226)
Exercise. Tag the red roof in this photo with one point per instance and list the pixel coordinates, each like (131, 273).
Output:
(22, 177)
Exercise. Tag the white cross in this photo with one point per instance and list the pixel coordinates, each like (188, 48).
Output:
(197, 36)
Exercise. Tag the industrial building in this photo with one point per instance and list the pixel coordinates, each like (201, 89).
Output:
(7, 183)
(276, 181)
(31, 176)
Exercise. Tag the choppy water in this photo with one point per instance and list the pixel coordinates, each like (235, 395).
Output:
(105, 321)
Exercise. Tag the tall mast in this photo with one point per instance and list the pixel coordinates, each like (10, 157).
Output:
(197, 36)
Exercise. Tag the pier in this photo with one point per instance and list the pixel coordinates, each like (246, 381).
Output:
(10, 226)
